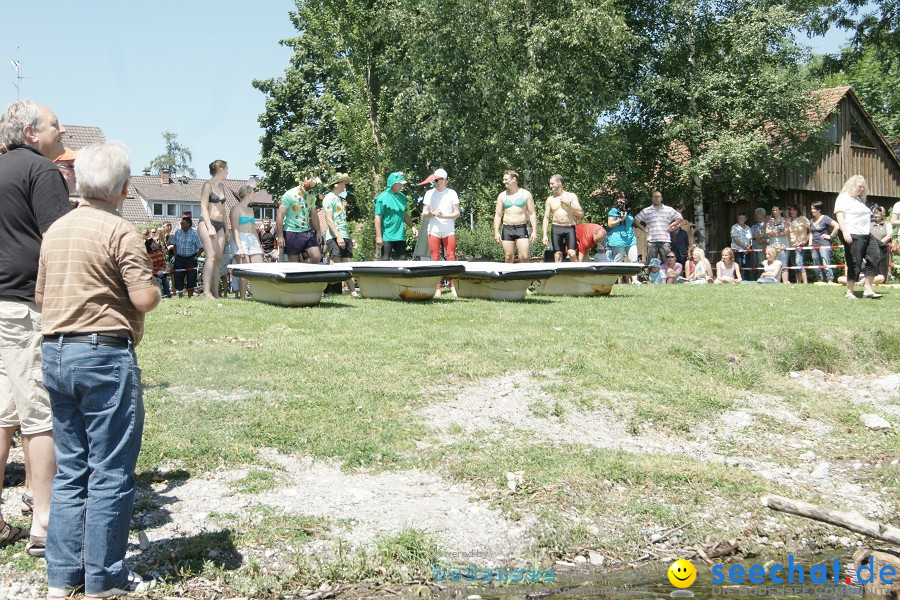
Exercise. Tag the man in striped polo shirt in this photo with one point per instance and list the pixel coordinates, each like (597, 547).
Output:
(94, 290)
(660, 221)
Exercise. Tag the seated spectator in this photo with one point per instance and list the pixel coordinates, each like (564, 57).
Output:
(702, 270)
(689, 264)
(673, 268)
(772, 267)
(727, 269)
(160, 269)
(654, 272)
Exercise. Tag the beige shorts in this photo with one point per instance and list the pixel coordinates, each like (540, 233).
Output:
(23, 400)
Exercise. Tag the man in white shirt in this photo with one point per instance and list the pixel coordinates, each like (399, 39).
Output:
(441, 209)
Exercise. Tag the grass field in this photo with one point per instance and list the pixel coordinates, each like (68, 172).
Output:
(227, 382)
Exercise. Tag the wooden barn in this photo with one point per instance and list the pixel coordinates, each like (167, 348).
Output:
(858, 148)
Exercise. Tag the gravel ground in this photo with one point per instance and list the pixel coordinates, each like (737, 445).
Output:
(361, 506)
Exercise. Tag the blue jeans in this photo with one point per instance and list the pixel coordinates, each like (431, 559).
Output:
(822, 257)
(98, 419)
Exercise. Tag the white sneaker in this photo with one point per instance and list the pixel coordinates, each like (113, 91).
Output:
(134, 583)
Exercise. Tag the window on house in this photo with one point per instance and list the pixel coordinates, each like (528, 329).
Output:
(858, 137)
(831, 132)
(157, 209)
(171, 210)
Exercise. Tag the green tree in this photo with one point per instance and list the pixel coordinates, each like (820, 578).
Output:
(177, 157)
(721, 107)
(875, 81)
(471, 87)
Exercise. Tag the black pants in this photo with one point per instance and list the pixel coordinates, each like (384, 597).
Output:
(862, 247)
(185, 262)
(397, 249)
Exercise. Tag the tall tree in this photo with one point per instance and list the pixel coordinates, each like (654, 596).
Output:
(177, 157)
(721, 107)
(875, 79)
(473, 87)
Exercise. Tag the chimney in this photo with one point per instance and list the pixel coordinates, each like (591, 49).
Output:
(164, 174)
(146, 172)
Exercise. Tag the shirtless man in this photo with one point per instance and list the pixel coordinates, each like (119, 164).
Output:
(566, 213)
(515, 211)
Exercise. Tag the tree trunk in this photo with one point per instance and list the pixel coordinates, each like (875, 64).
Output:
(699, 216)
(371, 96)
(852, 520)
(526, 137)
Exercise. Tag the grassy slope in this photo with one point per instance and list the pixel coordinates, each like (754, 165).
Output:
(343, 381)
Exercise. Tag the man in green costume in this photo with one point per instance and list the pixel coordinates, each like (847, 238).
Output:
(390, 217)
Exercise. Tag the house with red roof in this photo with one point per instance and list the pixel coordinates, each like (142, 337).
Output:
(857, 148)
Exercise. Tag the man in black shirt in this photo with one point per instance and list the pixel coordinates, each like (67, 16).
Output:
(33, 195)
(267, 239)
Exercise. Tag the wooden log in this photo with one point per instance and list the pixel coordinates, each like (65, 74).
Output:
(848, 520)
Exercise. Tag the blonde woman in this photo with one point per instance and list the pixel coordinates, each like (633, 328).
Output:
(855, 220)
(245, 235)
(212, 230)
(727, 270)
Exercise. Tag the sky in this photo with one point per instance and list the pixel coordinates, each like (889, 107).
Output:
(138, 69)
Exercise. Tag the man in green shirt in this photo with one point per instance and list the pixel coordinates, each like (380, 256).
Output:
(297, 224)
(337, 239)
(390, 217)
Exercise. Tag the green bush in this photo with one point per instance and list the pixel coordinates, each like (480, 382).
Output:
(478, 243)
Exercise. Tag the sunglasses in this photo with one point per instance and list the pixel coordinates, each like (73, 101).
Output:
(670, 256)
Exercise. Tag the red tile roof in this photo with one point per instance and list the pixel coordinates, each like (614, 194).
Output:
(79, 136)
(144, 190)
(829, 98)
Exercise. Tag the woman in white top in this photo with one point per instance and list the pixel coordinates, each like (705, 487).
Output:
(855, 220)
(727, 270)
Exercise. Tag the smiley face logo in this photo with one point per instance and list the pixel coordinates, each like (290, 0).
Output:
(682, 573)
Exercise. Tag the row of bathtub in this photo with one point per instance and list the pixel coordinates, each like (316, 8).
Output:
(300, 284)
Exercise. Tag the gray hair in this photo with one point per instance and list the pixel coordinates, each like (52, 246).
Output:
(759, 211)
(16, 117)
(102, 170)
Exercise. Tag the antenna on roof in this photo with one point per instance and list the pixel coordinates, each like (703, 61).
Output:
(17, 65)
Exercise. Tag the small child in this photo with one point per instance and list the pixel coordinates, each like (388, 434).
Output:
(654, 273)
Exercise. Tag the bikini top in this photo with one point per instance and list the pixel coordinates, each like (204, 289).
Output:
(214, 198)
(246, 220)
(518, 201)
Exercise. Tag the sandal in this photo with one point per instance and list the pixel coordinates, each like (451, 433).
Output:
(872, 295)
(850, 296)
(36, 545)
(11, 535)
(27, 504)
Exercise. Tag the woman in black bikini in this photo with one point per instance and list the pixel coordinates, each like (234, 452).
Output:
(212, 228)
